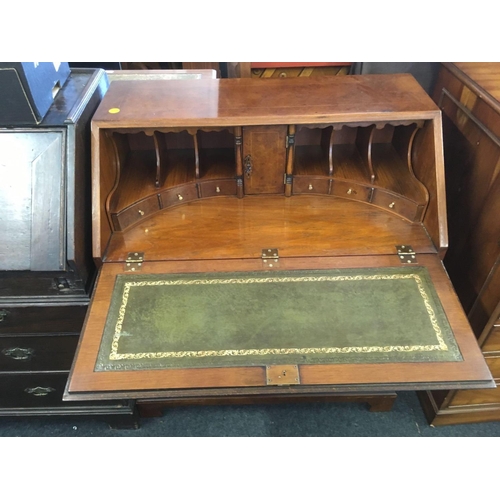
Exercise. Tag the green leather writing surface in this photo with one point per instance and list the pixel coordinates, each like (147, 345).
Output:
(275, 317)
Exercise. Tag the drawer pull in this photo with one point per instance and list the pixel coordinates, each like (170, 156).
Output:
(18, 353)
(392, 205)
(39, 391)
(141, 212)
(180, 197)
(310, 187)
(3, 314)
(351, 191)
(217, 189)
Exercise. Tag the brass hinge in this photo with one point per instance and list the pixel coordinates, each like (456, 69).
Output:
(270, 257)
(134, 261)
(406, 254)
(282, 375)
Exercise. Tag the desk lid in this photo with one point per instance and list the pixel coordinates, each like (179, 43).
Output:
(346, 322)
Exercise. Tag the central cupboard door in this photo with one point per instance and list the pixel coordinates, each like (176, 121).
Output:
(264, 159)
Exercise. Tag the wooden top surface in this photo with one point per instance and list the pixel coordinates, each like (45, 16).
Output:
(248, 101)
(484, 77)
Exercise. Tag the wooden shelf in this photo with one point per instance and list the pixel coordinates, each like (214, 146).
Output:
(137, 180)
(149, 162)
(217, 163)
(367, 154)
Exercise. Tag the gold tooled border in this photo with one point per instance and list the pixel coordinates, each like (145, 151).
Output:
(114, 355)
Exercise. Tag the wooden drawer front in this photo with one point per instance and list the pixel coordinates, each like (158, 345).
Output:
(492, 343)
(55, 319)
(351, 191)
(289, 72)
(37, 353)
(392, 202)
(45, 390)
(476, 397)
(483, 396)
(310, 185)
(275, 72)
(42, 390)
(181, 194)
(33, 390)
(136, 212)
(218, 188)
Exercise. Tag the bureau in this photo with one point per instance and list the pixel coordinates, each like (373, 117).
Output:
(469, 94)
(46, 267)
(270, 238)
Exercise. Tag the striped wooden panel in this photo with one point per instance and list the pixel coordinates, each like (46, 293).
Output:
(289, 72)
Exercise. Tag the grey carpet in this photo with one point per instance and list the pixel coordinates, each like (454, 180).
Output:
(306, 419)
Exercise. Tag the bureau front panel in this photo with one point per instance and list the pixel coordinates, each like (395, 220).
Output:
(264, 159)
(338, 321)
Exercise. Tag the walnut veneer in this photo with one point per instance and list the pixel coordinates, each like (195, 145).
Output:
(202, 175)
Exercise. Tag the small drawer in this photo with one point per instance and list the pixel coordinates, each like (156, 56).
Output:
(397, 204)
(351, 191)
(310, 185)
(37, 353)
(136, 212)
(32, 319)
(225, 187)
(181, 194)
(492, 343)
(276, 72)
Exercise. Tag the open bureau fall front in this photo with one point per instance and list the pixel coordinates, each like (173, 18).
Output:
(270, 238)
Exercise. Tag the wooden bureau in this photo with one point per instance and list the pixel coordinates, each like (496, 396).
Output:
(469, 96)
(270, 238)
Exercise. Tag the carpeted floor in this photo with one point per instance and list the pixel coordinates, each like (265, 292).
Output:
(308, 419)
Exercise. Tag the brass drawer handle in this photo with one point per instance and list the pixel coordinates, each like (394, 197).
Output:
(392, 205)
(39, 391)
(351, 191)
(18, 353)
(3, 314)
(180, 197)
(141, 212)
(310, 187)
(217, 189)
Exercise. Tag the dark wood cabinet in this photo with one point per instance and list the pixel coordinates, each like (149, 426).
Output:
(469, 97)
(314, 270)
(46, 267)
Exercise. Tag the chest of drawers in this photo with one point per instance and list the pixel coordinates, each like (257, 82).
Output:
(46, 266)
